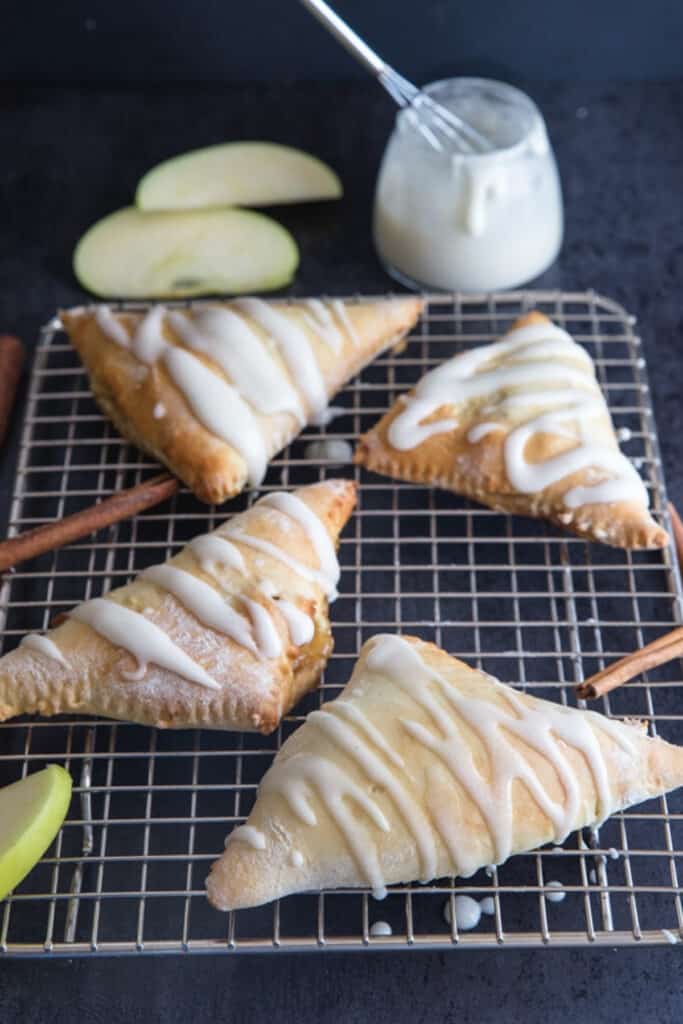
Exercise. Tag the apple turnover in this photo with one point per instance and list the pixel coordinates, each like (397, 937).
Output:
(425, 768)
(522, 426)
(215, 391)
(228, 634)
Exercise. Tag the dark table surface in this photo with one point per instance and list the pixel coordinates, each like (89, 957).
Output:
(71, 155)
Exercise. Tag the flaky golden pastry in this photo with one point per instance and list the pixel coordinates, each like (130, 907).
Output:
(271, 366)
(425, 768)
(240, 626)
(520, 426)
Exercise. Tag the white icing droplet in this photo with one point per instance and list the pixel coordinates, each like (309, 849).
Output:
(159, 411)
(325, 417)
(380, 928)
(624, 434)
(297, 858)
(488, 905)
(670, 937)
(592, 877)
(44, 645)
(248, 834)
(613, 854)
(555, 896)
(329, 449)
(467, 912)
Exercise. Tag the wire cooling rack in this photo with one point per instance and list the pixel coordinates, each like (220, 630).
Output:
(514, 596)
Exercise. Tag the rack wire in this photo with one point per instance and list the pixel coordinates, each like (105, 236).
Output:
(534, 606)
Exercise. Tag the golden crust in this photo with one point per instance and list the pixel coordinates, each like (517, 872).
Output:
(128, 391)
(254, 693)
(245, 876)
(477, 470)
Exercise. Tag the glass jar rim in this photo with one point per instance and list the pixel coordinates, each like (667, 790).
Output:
(524, 103)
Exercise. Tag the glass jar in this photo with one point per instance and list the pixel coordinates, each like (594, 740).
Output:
(468, 221)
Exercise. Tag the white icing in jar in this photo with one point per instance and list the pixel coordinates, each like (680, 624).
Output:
(468, 221)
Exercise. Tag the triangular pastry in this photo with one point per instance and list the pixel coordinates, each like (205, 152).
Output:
(228, 634)
(425, 768)
(215, 391)
(520, 425)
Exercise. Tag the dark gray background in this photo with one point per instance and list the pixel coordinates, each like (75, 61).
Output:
(71, 155)
(257, 40)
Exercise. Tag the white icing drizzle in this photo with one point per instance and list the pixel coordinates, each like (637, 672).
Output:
(355, 746)
(204, 603)
(109, 325)
(148, 342)
(319, 538)
(349, 709)
(300, 625)
(540, 369)
(248, 834)
(295, 347)
(322, 322)
(43, 645)
(339, 310)
(480, 430)
(241, 353)
(210, 550)
(267, 637)
(147, 643)
(159, 411)
(299, 776)
(546, 729)
(220, 408)
(215, 403)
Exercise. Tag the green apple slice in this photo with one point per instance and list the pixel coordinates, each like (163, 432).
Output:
(131, 254)
(31, 814)
(237, 174)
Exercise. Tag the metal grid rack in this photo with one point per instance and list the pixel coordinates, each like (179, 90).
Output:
(532, 605)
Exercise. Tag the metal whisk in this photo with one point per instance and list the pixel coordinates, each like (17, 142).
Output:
(439, 126)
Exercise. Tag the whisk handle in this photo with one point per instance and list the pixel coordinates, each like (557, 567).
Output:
(345, 35)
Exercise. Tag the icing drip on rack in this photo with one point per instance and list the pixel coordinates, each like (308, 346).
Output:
(548, 730)
(541, 378)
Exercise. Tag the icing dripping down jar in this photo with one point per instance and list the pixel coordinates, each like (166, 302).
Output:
(468, 221)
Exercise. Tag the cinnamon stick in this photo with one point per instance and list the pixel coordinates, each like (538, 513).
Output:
(664, 648)
(11, 363)
(677, 528)
(111, 510)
